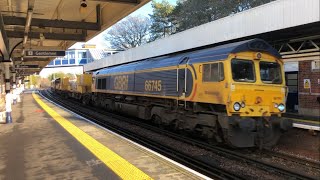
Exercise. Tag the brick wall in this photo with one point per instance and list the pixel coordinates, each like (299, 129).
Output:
(308, 103)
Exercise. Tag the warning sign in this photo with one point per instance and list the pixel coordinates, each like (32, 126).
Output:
(306, 83)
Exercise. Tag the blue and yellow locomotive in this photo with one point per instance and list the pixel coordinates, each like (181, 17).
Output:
(233, 93)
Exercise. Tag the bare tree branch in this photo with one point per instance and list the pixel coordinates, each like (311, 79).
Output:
(131, 32)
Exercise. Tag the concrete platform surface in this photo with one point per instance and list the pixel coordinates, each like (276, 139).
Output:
(47, 142)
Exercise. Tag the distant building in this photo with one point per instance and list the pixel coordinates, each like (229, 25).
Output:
(74, 60)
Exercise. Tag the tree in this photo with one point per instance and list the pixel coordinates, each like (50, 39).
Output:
(129, 33)
(161, 20)
(191, 13)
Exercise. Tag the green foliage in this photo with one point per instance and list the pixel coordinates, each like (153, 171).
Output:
(190, 13)
(161, 20)
(35, 80)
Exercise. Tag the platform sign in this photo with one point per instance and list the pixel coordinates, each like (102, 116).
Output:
(41, 53)
(27, 66)
(307, 83)
(315, 65)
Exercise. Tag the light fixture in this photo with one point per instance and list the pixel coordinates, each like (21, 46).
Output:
(236, 106)
(281, 107)
(83, 7)
(83, 3)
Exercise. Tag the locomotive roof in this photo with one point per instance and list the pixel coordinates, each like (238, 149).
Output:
(205, 55)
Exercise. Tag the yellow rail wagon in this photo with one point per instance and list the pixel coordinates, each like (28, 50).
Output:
(81, 87)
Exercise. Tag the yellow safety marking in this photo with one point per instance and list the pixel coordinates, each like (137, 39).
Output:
(117, 164)
(302, 120)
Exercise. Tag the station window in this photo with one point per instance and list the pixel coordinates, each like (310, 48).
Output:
(72, 61)
(84, 54)
(213, 72)
(83, 61)
(51, 63)
(57, 62)
(71, 55)
(64, 61)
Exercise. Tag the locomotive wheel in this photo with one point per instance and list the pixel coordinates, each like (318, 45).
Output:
(271, 137)
(174, 125)
(157, 121)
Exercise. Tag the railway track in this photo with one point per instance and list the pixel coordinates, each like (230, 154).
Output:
(200, 166)
(292, 158)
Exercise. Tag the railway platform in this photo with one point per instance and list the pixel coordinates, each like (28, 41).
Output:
(304, 122)
(48, 142)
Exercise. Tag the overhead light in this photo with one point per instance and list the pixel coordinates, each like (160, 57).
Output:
(83, 7)
(83, 3)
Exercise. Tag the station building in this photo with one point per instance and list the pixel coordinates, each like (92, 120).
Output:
(74, 60)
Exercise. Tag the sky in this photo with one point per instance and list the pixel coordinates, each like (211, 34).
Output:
(99, 40)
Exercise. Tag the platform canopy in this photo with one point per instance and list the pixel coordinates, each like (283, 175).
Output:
(54, 25)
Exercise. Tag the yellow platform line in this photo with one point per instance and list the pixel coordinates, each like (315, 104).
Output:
(117, 164)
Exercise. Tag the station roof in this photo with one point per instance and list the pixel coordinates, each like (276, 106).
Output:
(206, 55)
(55, 25)
(275, 22)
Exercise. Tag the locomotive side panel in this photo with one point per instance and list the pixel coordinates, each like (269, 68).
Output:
(168, 83)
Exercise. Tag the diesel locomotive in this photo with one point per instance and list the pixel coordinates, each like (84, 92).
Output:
(233, 93)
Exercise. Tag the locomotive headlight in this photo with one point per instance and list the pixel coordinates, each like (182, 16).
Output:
(281, 107)
(243, 105)
(236, 106)
(276, 105)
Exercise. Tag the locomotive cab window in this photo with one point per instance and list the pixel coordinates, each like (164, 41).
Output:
(213, 72)
(242, 70)
(270, 72)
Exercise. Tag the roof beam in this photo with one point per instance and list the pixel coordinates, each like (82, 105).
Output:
(52, 36)
(131, 2)
(11, 20)
(4, 42)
